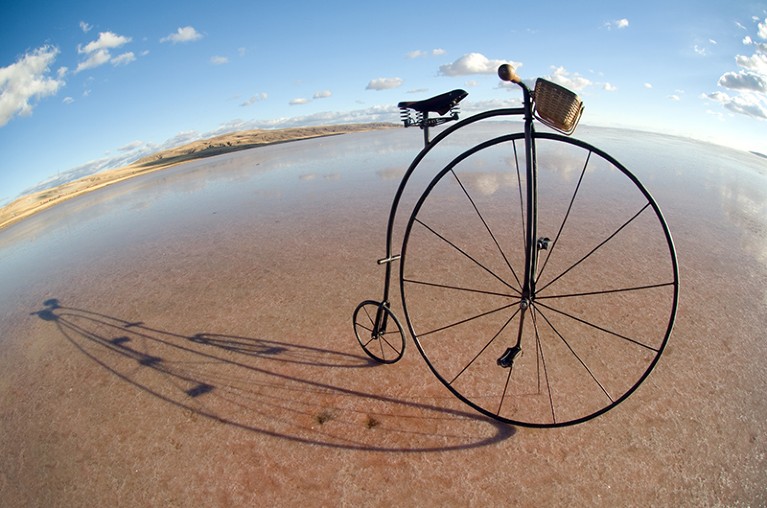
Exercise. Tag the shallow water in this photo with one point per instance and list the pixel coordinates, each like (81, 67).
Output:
(204, 324)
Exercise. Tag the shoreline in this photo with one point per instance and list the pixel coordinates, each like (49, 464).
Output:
(31, 204)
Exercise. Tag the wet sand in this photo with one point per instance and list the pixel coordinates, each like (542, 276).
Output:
(184, 338)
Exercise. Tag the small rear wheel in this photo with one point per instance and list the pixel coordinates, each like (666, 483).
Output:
(379, 332)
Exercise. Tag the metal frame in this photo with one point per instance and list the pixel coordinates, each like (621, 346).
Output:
(527, 112)
(532, 243)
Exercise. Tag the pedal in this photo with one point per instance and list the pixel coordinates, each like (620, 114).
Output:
(507, 358)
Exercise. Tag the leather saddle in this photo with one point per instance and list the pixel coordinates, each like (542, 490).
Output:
(440, 104)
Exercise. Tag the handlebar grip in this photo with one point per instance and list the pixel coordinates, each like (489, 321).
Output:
(506, 73)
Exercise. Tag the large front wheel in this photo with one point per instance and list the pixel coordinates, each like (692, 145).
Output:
(605, 288)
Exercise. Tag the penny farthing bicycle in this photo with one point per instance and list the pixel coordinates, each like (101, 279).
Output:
(538, 277)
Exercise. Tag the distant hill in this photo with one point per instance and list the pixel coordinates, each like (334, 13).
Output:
(49, 196)
(244, 140)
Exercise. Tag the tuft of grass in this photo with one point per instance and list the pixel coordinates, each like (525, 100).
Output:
(324, 417)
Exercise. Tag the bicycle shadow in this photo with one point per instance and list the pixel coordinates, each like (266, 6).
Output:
(275, 388)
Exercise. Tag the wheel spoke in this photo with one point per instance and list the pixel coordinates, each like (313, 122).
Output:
(511, 366)
(503, 395)
(382, 338)
(372, 321)
(540, 360)
(487, 227)
(462, 321)
(607, 291)
(459, 288)
(364, 327)
(467, 255)
(367, 334)
(599, 246)
(597, 327)
(577, 356)
(564, 220)
(484, 348)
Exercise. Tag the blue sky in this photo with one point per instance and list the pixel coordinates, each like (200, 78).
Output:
(87, 85)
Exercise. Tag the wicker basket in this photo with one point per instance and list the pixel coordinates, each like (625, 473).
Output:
(556, 106)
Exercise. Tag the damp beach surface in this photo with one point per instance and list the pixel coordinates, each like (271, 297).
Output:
(185, 337)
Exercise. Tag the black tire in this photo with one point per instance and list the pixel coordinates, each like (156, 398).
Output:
(379, 332)
(607, 283)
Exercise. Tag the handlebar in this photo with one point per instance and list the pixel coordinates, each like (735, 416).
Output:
(506, 73)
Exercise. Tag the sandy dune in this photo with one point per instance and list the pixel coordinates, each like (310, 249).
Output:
(243, 140)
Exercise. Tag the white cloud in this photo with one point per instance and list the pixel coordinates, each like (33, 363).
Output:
(568, 80)
(473, 63)
(85, 27)
(648, 85)
(299, 101)
(26, 80)
(617, 24)
(183, 34)
(749, 83)
(68, 100)
(418, 53)
(743, 80)
(97, 52)
(384, 84)
(95, 59)
(106, 40)
(745, 104)
(179, 139)
(609, 87)
(124, 59)
(323, 94)
(219, 60)
(479, 106)
(387, 113)
(674, 98)
(135, 145)
(756, 62)
(255, 98)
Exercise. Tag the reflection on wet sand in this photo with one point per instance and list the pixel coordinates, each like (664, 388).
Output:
(261, 385)
(196, 346)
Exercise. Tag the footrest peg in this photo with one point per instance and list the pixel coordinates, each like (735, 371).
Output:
(389, 260)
